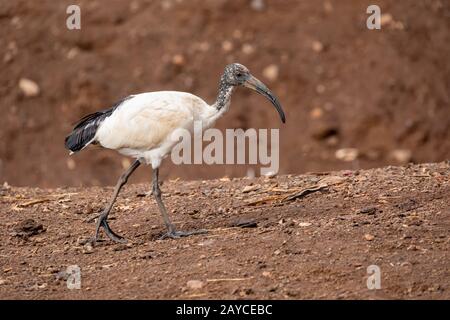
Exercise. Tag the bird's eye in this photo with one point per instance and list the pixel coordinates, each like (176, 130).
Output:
(238, 74)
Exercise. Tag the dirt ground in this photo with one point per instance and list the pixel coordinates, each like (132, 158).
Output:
(290, 237)
(384, 93)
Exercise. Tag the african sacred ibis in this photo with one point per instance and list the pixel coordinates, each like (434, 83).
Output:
(140, 126)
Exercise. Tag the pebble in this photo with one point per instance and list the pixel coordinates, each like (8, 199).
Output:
(368, 210)
(328, 7)
(304, 224)
(267, 274)
(271, 72)
(250, 188)
(227, 46)
(178, 60)
(248, 49)
(71, 165)
(29, 88)
(369, 237)
(195, 284)
(401, 155)
(87, 248)
(347, 154)
(258, 5)
(316, 113)
(317, 46)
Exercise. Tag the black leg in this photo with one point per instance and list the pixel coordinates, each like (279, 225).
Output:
(102, 219)
(171, 232)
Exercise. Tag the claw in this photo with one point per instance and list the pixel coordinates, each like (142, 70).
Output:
(111, 234)
(180, 234)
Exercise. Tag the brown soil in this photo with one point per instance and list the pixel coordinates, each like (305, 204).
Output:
(341, 84)
(315, 246)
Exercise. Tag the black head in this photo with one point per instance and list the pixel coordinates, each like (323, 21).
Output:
(236, 74)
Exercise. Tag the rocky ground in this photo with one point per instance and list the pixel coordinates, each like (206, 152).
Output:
(306, 236)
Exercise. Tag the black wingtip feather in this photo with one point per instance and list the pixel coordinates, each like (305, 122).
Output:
(80, 137)
(84, 131)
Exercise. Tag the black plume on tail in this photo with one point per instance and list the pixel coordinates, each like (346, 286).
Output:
(84, 131)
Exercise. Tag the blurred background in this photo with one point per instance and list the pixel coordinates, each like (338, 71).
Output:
(354, 98)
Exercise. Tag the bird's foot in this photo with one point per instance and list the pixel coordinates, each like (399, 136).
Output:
(180, 234)
(111, 234)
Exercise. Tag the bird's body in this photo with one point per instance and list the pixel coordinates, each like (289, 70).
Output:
(141, 126)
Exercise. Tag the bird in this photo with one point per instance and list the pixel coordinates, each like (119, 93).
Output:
(140, 126)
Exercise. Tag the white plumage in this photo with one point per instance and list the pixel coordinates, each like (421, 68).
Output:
(141, 126)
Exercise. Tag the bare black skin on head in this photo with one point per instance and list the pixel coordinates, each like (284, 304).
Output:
(236, 74)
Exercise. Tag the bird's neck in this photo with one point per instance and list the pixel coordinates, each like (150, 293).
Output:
(224, 97)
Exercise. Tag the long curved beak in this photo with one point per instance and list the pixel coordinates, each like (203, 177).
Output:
(261, 88)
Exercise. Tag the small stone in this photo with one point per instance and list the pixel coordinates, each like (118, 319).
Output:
(178, 60)
(227, 46)
(87, 248)
(258, 5)
(369, 237)
(347, 154)
(267, 274)
(71, 165)
(126, 163)
(271, 72)
(328, 7)
(248, 49)
(248, 189)
(402, 156)
(317, 46)
(386, 19)
(304, 224)
(43, 286)
(195, 284)
(316, 113)
(29, 88)
(368, 210)
(277, 252)
(72, 53)
(244, 223)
